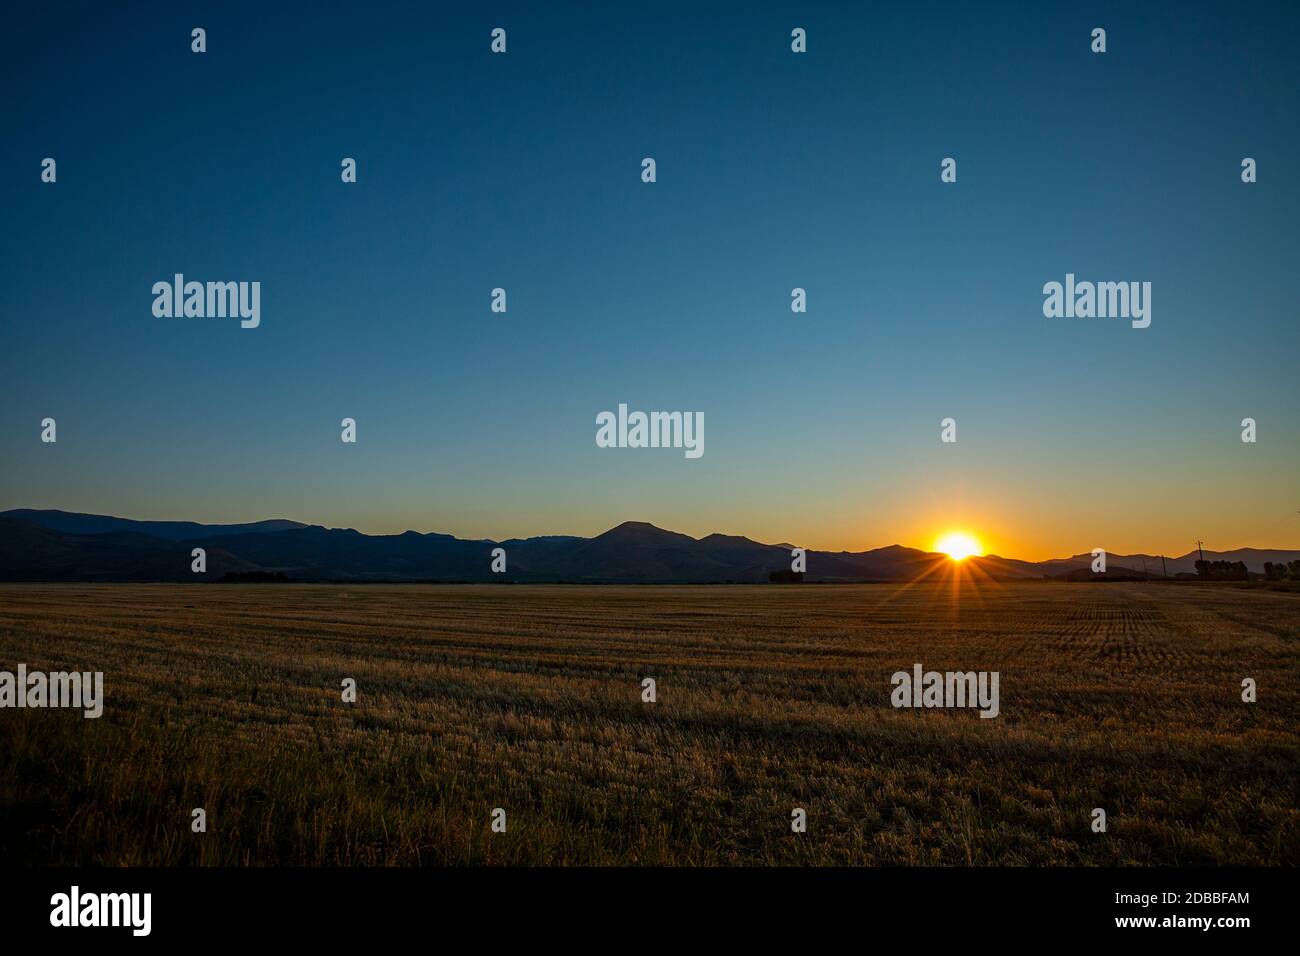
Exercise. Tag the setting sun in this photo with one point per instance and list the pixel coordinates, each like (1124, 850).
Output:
(958, 545)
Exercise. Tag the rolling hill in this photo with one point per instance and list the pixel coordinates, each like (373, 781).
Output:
(64, 546)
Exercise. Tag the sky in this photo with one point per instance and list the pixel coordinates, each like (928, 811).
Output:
(775, 170)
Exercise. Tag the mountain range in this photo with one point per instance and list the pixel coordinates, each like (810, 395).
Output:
(66, 546)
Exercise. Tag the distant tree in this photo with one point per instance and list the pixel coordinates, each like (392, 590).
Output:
(1275, 572)
(1295, 570)
(785, 576)
(1223, 570)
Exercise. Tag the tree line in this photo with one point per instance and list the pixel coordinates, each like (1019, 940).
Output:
(1282, 570)
(1236, 571)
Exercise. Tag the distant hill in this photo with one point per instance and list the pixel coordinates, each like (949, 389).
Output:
(1254, 559)
(63, 546)
(30, 552)
(74, 523)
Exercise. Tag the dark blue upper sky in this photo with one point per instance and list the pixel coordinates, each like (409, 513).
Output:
(775, 170)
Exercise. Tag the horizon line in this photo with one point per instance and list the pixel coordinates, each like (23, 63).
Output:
(389, 534)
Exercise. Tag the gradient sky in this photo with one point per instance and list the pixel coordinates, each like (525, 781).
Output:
(774, 171)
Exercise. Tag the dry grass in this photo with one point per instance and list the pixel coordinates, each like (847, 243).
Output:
(227, 697)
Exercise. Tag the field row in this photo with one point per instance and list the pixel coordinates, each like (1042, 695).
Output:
(1125, 697)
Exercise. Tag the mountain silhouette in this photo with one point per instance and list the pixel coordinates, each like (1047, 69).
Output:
(63, 546)
(75, 523)
(32, 552)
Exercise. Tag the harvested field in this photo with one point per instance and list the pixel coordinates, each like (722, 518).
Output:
(1120, 696)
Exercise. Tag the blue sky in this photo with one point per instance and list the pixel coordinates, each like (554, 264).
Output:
(775, 170)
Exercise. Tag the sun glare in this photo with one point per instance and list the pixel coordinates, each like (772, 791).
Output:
(958, 545)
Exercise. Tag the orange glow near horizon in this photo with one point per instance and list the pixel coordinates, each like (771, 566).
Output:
(958, 545)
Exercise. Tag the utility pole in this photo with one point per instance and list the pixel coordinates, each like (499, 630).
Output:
(1164, 568)
(1198, 549)
(1144, 568)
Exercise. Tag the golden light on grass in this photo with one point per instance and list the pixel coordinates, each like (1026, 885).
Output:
(454, 706)
(958, 545)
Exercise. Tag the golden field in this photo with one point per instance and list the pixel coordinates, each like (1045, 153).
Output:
(227, 697)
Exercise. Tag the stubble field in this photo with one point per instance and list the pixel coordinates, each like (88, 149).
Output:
(1120, 696)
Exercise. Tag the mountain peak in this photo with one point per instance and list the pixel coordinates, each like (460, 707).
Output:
(640, 529)
(643, 533)
(635, 526)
